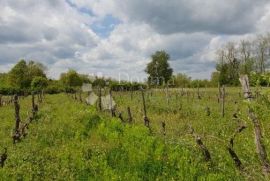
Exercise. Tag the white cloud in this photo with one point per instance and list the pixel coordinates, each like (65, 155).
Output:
(61, 37)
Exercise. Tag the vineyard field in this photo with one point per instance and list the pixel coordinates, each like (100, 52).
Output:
(70, 140)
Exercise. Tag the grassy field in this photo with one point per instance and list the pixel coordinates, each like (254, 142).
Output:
(73, 141)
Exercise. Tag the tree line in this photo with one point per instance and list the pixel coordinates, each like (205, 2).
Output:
(250, 57)
(26, 77)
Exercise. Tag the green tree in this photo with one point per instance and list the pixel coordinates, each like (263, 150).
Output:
(22, 74)
(39, 83)
(181, 80)
(36, 69)
(71, 79)
(158, 69)
(3, 79)
(18, 76)
(99, 82)
(215, 77)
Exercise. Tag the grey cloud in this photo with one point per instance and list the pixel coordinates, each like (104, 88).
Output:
(181, 46)
(46, 31)
(60, 37)
(213, 16)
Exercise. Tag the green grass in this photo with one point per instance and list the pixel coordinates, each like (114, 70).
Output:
(72, 141)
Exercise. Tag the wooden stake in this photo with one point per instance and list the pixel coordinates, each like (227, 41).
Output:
(257, 127)
(223, 101)
(99, 99)
(198, 92)
(130, 120)
(3, 158)
(235, 158)
(167, 94)
(34, 106)
(16, 136)
(202, 147)
(145, 118)
(111, 107)
(163, 125)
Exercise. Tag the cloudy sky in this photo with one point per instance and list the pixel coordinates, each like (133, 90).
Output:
(118, 36)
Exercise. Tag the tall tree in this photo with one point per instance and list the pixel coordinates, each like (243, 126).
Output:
(39, 83)
(247, 62)
(71, 79)
(22, 74)
(262, 46)
(158, 69)
(228, 64)
(18, 76)
(36, 69)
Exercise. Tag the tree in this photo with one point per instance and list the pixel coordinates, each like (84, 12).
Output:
(228, 65)
(71, 79)
(215, 78)
(39, 83)
(22, 74)
(36, 69)
(99, 82)
(181, 80)
(18, 76)
(262, 46)
(3, 79)
(245, 50)
(158, 69)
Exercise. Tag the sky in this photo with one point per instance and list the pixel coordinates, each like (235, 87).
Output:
(117, 37)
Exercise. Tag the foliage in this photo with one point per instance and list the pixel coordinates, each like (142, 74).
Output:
(158, 69)
(71, 79)
(127, 86)
(83, 144)
(181, 80)
(257, 79)
(39, 83)
(21, 75)
(243, 57)
(54, 87)
(100, 82)
(215, 79)
(18, 76)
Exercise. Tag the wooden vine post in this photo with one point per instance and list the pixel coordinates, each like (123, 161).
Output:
(203, 148)
(99, 99)
(219, 93)
(111, 105)
(167, 94)
(262, 154)
(163, 125)
(131, 93)
(3, 158)
(223, 101)
(16, 135)
(34, 106)
(145, 118)
(130, 120)
(198, 92)
(230, 148)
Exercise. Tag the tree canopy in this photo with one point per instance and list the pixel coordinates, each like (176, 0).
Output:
(158, 69)
(39, 83)
(243, 57)
(22, 74)
(71, 79)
